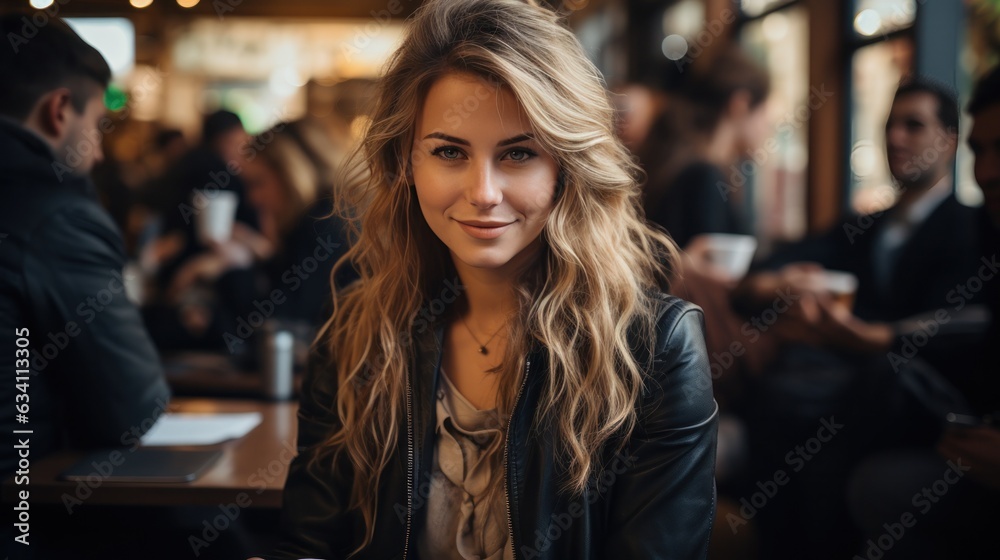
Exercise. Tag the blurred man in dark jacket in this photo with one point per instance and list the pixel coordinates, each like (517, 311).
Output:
(868, 355)
(84, 373)
(890, 484)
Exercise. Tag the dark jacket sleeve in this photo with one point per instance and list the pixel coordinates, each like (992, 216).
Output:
(109, 377)
(316, 496)
(663, 500)
(833, 249)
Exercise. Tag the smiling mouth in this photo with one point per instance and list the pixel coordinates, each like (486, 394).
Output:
(484, 230)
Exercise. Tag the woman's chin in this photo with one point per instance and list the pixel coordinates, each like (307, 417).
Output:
(484, 260)
(494, 257)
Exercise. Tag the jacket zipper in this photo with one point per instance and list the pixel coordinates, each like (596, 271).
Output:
(409, 462)
(506, 447)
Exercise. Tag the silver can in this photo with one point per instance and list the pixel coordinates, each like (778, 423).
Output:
(278, 365)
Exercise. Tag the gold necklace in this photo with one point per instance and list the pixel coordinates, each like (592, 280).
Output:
(482, 346)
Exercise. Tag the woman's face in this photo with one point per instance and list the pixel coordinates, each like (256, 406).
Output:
(264, 189)
(485, 187)
(267, 194)
(755, 129)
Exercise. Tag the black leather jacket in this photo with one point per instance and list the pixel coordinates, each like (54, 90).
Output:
(654, 500)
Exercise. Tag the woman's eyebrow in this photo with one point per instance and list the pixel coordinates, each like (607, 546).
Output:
(515, 139)
(456, 140)
(447, 138)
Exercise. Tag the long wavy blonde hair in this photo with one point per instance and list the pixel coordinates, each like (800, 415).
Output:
(592, 283)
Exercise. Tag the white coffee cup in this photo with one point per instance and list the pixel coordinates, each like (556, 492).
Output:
(214, 222)
(729, 253)
(134, 281)
(843, 286)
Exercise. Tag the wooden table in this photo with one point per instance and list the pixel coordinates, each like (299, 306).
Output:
(250, 473)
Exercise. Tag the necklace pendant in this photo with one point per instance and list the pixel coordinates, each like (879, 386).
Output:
(483, 351)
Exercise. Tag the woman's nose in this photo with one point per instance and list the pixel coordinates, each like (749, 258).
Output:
(484, 187)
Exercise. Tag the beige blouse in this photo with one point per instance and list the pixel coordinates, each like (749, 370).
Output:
(460, 525)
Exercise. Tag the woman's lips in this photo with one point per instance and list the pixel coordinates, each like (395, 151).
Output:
(484, 230)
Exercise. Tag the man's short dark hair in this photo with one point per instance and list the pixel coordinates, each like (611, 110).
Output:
(218, 123)
(986, 93)
(36, 59)
(947, 100)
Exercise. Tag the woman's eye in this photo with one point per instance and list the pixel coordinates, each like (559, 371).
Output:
(519, 155)
(446, 152)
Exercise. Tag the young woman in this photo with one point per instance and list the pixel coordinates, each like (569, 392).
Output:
(506, 379)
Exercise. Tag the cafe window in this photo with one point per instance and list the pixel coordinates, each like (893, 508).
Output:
(883, 44)
(114, 38)
(779, 40)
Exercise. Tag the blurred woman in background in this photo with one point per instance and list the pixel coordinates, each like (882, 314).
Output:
(285, 267)
(290, 184)
(718, 117)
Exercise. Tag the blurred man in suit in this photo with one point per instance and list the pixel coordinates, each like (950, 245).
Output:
(908, 259)
(890, 484)
(864, 363)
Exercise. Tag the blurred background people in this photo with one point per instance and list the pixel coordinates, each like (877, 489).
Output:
(94, 372)
(167, 149)
(282, 270)
(177, 247)
(927, 234)
(853, 359)
(718, 117)
(967, 455)
(290, 184)
(213, 165)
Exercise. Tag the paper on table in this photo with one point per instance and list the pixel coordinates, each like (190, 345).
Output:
(200, 429)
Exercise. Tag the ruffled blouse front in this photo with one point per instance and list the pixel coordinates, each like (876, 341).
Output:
(460, 525)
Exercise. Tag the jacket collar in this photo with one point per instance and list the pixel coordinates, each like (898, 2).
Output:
(26, 155)
(31, 137)
(925, 204)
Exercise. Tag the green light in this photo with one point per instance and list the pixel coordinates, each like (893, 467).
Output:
(114, 98)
